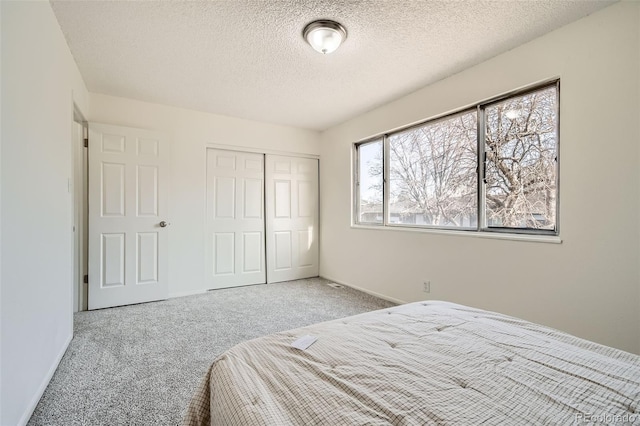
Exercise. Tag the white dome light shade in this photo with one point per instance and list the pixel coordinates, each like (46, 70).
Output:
(324, 36)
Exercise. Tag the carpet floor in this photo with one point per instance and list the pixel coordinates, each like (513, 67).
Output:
(140, 364)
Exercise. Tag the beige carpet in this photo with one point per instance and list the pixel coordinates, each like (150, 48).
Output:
(139, 365)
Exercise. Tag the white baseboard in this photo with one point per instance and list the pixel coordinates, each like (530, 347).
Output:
(186, 293)
(364, 290)
(43, 386)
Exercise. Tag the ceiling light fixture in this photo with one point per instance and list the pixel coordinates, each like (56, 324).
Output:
(324, 36)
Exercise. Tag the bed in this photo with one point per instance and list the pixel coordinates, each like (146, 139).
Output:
(421, 363)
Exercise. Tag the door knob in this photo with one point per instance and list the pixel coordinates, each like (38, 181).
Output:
(164, 224)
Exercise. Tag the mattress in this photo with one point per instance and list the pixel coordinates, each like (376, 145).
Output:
(425, 363)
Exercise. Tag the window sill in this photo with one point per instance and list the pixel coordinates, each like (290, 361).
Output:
(550, 239)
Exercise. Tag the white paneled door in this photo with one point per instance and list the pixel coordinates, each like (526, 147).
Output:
(235, 219)
(292, 218)
(128, 172)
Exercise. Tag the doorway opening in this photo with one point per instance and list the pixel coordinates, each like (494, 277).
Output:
(80, 210)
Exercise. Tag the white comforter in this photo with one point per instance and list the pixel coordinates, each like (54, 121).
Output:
(422, 363)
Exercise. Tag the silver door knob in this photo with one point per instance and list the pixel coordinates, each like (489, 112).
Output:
(163, 224)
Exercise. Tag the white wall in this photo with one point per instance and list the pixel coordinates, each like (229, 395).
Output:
(0, 212)
(40, 82)
(190, 132)
(590, 284)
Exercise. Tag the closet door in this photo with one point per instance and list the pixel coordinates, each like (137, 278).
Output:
(235, 219)
(292, 218)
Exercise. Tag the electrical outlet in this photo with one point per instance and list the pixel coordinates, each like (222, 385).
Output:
(426, 286)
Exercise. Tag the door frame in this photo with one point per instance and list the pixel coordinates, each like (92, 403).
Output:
(241, 148)
(79, 212)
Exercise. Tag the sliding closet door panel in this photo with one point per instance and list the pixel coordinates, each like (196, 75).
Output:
(292, 218)
(235, 219)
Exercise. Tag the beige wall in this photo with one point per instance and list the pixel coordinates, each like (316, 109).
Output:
(190, 132)
(40, 83)
(590, 284)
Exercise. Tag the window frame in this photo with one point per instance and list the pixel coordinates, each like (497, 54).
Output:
(357, 179)
(387, 176)
(482, 226)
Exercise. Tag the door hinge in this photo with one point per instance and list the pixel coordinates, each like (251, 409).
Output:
(86, 142)
(86, 279)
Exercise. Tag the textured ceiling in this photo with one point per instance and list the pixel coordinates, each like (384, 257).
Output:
(247, 59)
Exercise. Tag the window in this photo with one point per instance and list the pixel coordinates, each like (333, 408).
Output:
(369, 182)
(520, 144)
(432, 170)
(492, 168)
